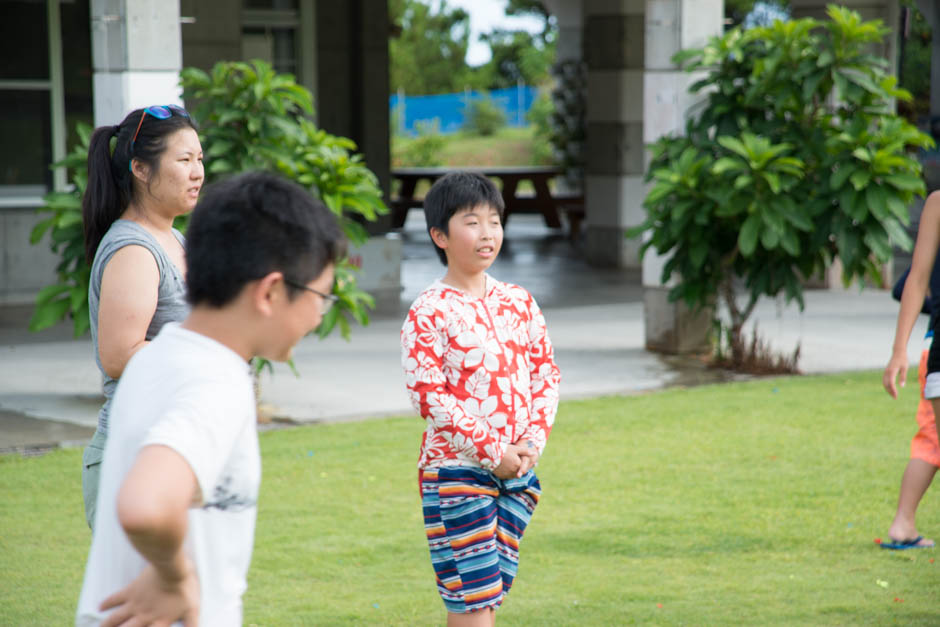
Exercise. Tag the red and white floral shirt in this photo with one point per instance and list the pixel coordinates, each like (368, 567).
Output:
(480, 371)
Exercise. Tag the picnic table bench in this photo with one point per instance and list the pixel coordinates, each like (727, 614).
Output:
(542, 201)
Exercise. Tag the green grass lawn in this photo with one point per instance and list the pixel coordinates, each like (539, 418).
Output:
(744, 503)
(508, 146)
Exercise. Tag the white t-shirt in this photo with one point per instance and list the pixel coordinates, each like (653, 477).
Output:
(194, 395)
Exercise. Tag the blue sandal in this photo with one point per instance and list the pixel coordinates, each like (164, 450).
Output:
(900, 545)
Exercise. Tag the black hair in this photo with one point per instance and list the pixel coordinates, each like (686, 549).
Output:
(456, 191)
(110, 186)
(250, 225)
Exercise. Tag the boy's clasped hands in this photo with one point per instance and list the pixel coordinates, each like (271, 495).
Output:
(518, 459)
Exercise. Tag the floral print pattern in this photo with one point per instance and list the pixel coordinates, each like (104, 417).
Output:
(481, 372)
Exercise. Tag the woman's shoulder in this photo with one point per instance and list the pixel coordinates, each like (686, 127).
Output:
(123, 233)
(128, 243)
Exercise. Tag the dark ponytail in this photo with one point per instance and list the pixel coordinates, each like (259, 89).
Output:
(110, 186)
(107, 193)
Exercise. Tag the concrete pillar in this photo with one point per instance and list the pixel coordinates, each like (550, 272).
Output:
(671, 26)
(569, 93)
(352, 84)
(136, 55)
(614, 52)
(568, 14)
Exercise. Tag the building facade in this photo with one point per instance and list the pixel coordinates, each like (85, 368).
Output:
(92, 61)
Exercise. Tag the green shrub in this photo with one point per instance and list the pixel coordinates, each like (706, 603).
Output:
(484, 117)
(540, 117)
(796, 157)
(425, 149)
(69, 295)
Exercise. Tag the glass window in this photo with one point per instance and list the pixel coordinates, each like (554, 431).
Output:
(26, 89)
(277, 46)
(76, 70)
(269, 33)
(24, 41)
(270, 4)
(26, 129)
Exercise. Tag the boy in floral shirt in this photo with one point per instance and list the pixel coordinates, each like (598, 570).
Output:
(480, 369)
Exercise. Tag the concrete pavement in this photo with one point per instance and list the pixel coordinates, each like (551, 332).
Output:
(50, 388)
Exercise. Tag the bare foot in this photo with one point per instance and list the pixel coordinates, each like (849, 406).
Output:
(901, 531)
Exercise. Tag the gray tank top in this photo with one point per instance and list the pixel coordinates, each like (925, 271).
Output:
(171, 294)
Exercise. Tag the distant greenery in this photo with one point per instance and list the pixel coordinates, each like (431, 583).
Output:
(517, 56)
(484, 117)
(508, 146)
(734, 504)
(427, 53)
(429, 46)
(423, 150)
(540, 117)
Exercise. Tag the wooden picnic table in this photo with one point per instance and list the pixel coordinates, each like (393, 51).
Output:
(541, 202)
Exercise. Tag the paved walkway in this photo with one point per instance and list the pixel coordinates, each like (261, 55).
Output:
(50, 388)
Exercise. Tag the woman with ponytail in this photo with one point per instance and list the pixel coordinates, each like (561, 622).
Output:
(142, 173)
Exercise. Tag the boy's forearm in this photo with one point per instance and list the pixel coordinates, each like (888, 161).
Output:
(153, 506)
(165, 553)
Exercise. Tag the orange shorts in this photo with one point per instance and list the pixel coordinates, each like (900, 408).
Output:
(924, 445)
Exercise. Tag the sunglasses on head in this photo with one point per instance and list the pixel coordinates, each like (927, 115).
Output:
(161, 112)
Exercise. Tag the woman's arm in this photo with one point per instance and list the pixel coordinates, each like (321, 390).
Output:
(129, 288)
(915, 289)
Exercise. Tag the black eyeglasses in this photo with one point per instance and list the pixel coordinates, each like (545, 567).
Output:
(327, 302)
(161, 112)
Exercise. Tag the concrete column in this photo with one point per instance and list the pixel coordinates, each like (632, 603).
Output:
(671, 26)
(136, 55)
(352, 84)
(569, 94)
(614, 52)
(568, 47)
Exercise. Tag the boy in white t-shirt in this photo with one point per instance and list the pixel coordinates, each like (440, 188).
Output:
(179, 482)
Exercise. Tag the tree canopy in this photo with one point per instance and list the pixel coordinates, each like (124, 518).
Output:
(428, 53)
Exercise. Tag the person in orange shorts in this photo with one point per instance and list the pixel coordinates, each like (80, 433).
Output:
(925, 449)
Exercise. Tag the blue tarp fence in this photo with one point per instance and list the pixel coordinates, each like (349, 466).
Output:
(450, 110)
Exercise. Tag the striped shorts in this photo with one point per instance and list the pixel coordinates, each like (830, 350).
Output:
(474, 522)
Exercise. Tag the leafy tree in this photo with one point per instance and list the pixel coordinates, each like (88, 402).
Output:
(484, 117)
(540, 117)
(795, 158)
(535, 8)
(423, 151)
(428, 54)
(250, 118)
(518, 55)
